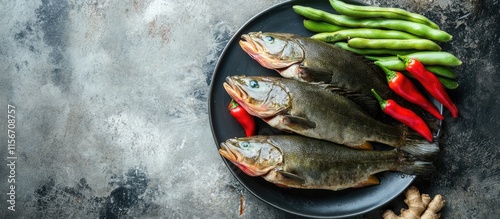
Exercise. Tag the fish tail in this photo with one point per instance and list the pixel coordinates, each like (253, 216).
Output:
(416, 157)
(416, 167)
(420, 149)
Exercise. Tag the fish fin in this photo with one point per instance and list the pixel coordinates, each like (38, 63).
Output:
(420, 149)
(372, 180)
(335, 89)
(416, 167)
(364, 146)
(313, 74)
(365, 102)
(292, 177)
(298, 123)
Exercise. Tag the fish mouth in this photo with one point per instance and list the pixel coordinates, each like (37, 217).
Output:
(240, 95)
(236, 92)
(249, 46)
(226, 151)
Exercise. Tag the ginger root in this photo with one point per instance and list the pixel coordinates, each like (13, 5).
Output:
(420, 206)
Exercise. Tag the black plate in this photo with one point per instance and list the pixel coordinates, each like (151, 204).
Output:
(310, 203)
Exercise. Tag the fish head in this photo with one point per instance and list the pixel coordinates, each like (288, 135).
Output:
(272, 50)
(255, 156)
(260, 96)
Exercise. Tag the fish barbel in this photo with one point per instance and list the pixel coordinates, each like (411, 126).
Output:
(299, 162)
(314, 111)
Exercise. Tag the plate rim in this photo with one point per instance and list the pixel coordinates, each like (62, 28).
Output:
(227, 163)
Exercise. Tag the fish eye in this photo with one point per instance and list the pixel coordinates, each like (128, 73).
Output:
(270, 39)
(245, 144)
(254, 84)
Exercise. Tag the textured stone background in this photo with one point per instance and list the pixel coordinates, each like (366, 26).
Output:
(111, 108)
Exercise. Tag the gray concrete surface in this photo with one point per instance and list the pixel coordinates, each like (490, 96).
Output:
(111, 113)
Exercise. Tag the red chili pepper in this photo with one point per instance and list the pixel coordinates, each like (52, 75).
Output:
(243, 117)
(404, 115)
(430, 82)
(405, 88)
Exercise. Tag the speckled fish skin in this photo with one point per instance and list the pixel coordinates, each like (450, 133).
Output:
(311, 110)
(306, 163)
(307, 59)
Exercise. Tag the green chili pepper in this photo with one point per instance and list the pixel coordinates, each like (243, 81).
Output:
(427, 58)
(417, 44)
(448, 83)
(435, 58)
(441, 71)
(382, 58)
(418, 29)
(320, 27)
(344, 45)
(395, 65)
(346, 34)
(380, 12)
